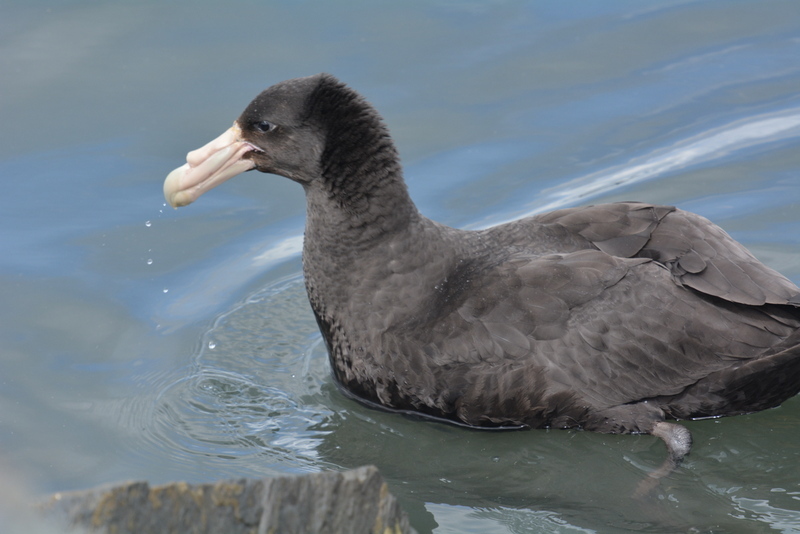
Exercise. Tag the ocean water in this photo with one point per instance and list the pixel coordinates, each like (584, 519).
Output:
(140, 342)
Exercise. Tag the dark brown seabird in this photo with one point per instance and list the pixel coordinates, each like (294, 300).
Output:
(612, 318)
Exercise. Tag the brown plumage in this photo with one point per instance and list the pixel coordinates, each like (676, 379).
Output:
(611, 318)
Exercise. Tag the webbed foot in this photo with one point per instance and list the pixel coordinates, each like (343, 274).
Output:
(678, 440)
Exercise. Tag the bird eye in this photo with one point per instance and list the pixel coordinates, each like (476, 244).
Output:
(264, 126)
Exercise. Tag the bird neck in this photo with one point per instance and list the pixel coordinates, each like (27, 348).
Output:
(343, 228)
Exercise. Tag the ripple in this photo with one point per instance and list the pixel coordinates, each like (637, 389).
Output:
(253, 391)
(226, 414)
(707, 146)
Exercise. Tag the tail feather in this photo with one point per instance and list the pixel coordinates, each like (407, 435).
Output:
(754, 385)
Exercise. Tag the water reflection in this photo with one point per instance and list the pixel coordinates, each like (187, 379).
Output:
(738, 137)
(251, 394)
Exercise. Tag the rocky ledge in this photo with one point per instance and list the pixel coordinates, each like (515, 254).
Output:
(349, 502)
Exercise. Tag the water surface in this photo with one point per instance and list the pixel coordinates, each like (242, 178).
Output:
(141, 342)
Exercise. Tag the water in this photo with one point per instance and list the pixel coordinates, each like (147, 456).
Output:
(141, 342)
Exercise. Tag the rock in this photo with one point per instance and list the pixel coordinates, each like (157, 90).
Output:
(350, 502)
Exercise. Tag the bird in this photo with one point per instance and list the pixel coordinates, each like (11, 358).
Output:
(620, 318)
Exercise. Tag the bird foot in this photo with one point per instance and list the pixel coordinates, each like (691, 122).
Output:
(678, 440)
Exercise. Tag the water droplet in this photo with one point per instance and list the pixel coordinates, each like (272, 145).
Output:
(149, 261)
(166, 290)
(148, 224)
(212, 345)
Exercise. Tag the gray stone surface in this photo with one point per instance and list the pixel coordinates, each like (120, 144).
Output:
(350, 502)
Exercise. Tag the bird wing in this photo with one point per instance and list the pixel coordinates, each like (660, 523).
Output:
(566, 332)
(698, 253)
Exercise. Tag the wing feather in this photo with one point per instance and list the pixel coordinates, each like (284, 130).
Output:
(698, 253)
